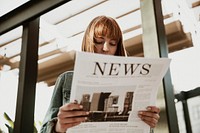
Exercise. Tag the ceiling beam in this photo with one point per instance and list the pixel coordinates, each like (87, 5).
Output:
(27, 12)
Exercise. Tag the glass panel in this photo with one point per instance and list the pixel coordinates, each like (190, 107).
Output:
(10, 47)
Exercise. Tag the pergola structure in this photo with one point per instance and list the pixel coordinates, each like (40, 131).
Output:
(167, 36)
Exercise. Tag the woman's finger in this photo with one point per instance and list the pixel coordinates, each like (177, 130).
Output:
(68, 114)
(71, 106)
(149, 114)
(153, 109)
(72, 120)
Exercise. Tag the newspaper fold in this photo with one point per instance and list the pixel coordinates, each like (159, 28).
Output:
(113, 89)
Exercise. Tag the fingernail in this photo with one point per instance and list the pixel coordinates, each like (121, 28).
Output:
(140, 112)
(87, 113)
(81, 106)
(149, 108)
(75, 101)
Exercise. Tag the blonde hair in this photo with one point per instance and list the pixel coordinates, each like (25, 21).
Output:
(103, 26)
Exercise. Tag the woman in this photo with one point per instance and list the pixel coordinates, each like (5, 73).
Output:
(103, 35)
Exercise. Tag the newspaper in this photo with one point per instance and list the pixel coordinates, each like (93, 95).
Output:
(113, 89)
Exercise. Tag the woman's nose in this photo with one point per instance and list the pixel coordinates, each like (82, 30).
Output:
(105, 47)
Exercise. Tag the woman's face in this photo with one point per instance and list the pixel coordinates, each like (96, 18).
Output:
(104, 45)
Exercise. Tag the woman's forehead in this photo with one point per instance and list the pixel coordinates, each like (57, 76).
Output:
(106, 32)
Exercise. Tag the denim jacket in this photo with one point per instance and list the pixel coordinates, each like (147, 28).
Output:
(60, 96)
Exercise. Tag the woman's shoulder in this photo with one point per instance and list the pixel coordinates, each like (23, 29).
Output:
(64, 78)
(66, 74)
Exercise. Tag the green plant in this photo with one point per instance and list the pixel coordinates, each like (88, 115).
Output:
(1, 131)
(11, 124)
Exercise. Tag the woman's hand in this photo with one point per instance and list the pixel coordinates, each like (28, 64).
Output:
(150, 116)
(70, 115)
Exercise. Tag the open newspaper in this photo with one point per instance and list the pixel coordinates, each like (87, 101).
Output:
(113, 89)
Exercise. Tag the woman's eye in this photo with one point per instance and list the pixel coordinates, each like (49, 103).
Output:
(113, 43)
(102, 41)
(99, 41)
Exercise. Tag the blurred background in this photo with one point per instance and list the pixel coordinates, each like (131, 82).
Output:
(61, 32)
